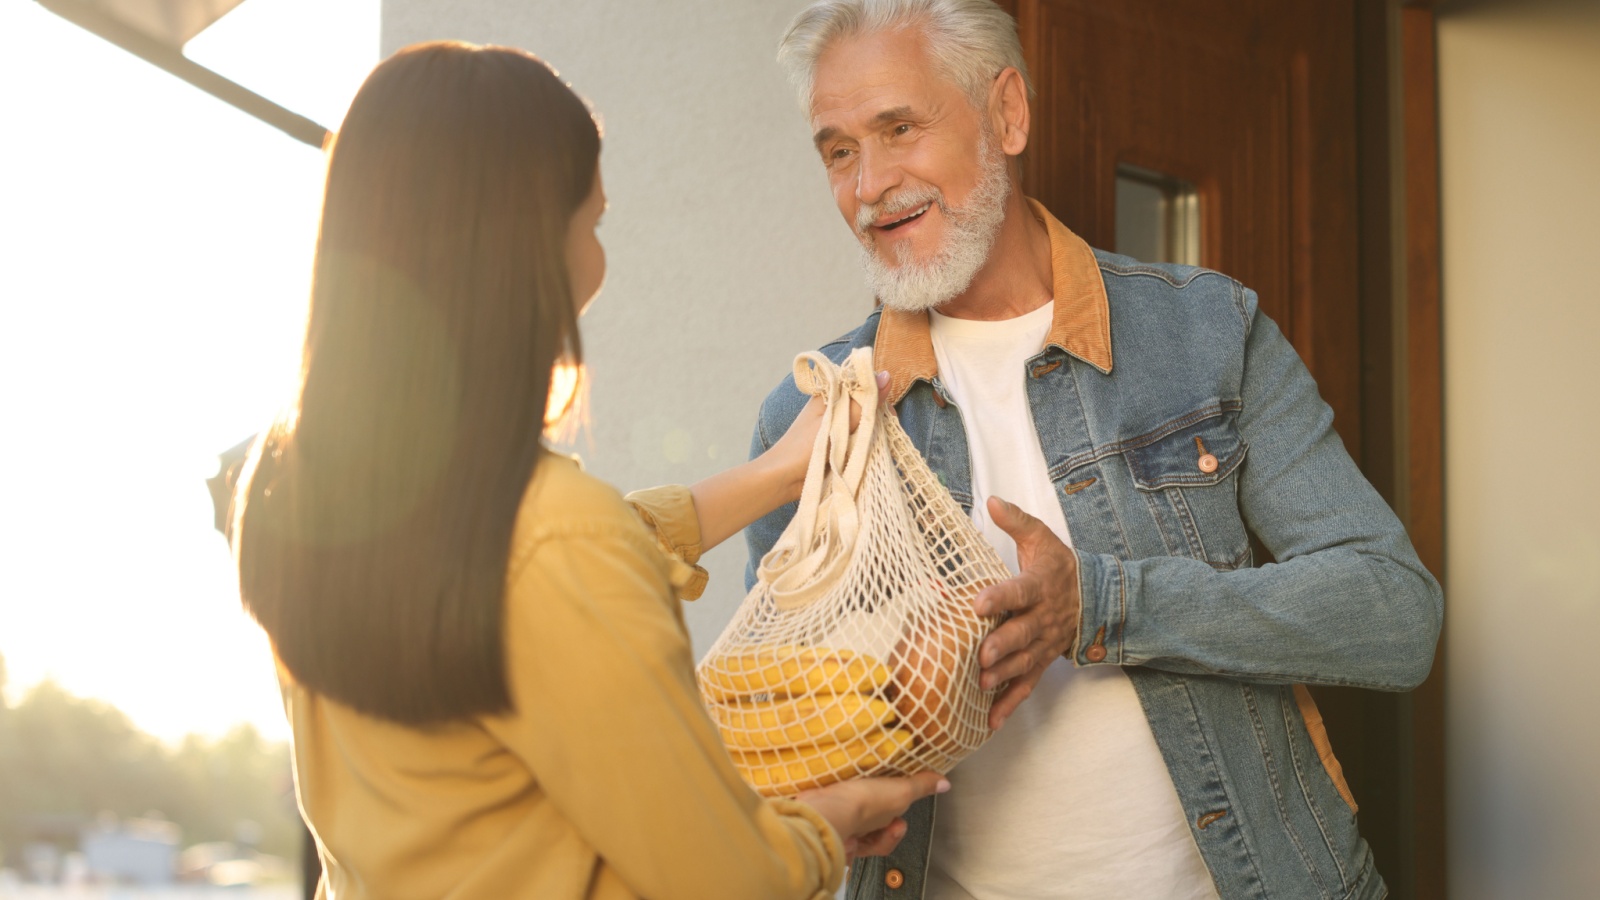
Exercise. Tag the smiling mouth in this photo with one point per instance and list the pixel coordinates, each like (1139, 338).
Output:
(909, 217)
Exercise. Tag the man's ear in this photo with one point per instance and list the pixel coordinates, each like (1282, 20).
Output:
(1009, 115)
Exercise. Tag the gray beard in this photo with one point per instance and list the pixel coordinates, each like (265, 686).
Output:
(912, 286)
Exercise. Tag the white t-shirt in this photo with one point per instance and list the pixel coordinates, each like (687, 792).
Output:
(1071, 798)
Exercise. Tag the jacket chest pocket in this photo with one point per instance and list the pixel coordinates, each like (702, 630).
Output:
(1189, 479)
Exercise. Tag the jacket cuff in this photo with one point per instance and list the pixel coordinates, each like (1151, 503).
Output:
(669, 512)
(1103, 615)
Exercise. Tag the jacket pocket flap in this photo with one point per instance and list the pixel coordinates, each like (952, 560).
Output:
(1200, 454)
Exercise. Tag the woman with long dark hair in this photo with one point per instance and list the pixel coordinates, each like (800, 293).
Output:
(481, 651)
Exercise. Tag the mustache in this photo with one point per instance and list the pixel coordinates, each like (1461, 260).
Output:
(899, 203)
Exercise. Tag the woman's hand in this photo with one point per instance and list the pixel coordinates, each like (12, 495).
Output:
(730, 500)
(866, 811)
(791, 454)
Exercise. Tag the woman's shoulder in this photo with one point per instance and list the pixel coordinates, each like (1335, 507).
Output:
(562, 500)
(574, 529)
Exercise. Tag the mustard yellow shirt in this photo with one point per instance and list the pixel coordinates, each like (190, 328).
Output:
(608, 781)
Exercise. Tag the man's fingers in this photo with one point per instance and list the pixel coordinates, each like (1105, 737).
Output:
(1014, 634)
(1014, 666)
(1012, 697)
(1010, 595)
(1012, 520)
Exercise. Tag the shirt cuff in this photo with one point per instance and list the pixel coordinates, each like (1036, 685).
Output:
(832, 844)
(669, 512)
(1103, 613)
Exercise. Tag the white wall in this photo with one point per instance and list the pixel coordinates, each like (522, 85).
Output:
(727, 256)
(1520, 136)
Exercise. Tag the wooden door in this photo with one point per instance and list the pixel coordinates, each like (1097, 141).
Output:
(1252, 104)
(1275, 111)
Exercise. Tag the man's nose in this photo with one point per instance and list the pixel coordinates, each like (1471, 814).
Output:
(876, 174)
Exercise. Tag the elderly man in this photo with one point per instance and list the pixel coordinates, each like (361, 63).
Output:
(1117, 430)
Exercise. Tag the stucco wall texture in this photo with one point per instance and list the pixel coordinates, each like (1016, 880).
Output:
(726, 254)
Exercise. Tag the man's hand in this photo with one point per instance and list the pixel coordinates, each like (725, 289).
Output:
(1043, 602)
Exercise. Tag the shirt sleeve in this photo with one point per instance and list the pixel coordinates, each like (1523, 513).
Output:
(610, 721)
(669, 512)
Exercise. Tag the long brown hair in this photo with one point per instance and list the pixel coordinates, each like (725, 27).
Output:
(375, 516)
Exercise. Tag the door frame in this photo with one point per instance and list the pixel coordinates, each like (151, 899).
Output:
(1403, 374)
(1402, 395)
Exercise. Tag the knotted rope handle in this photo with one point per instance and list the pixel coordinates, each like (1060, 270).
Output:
(812, 553)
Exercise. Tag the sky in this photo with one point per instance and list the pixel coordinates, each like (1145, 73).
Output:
(155, 250)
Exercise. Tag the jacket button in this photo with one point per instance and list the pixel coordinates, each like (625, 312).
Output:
(1096, 653)
(894, 878)
(1208, 463)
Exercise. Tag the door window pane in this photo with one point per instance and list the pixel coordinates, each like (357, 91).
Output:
(1158, 217)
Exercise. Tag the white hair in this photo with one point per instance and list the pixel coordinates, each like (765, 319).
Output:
(972, 41)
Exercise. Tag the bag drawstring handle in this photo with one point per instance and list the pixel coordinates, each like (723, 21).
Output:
(812, 553)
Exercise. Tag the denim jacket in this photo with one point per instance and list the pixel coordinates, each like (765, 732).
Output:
(1176, 421)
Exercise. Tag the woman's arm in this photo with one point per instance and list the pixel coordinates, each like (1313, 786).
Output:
(729, 500)
(609, 719)
(733, 498)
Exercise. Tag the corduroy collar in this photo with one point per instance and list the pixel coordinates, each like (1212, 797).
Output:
(1080, 325)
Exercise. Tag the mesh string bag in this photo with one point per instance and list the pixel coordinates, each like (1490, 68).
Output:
(856, 652)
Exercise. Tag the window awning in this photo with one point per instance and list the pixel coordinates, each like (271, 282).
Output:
(156, 30)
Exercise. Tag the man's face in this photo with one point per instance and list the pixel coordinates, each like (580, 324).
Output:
(911, 168)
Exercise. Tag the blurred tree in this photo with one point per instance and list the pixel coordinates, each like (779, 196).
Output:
(63, 757)
(241, 780)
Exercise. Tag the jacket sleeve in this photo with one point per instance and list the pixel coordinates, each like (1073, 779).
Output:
(609, 720)
(1346, 603)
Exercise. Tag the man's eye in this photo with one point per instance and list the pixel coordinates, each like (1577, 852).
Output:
(838, 154)
(901, 129)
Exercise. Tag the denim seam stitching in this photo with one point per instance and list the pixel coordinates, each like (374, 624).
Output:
(1150, 437)
(1084, 610)
(1155, 500)
(1191, 529)
(1225, 468)
(961, 419)
(1238, 562)
(1151, 271)
(1260, 727)
(1211, 755)
(1237, 295)
(1305, 791)
(1122, 622)
(1122, 528)
(1184, 421)
(1067, 465)
(862, 876)
(761, 432)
